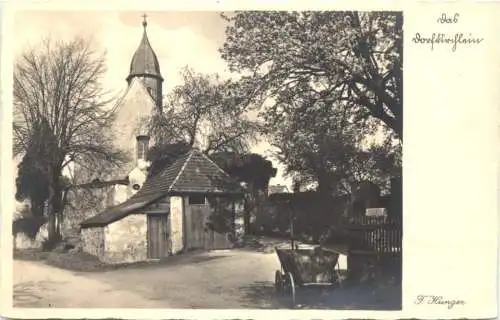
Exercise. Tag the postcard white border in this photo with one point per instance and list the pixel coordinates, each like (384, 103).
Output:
(416, 243)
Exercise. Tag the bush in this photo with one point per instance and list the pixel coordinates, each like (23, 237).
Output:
(28, 225)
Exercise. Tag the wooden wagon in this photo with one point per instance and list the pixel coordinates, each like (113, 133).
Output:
(302, 268)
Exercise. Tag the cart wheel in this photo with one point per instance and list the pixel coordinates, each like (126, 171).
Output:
(291, 287)
(278, 282)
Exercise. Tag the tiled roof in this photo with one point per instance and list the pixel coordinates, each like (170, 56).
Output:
(192, 172)
(118, 212)
(277, 189)
(97, 183)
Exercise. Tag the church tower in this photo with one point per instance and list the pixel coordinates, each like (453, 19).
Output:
(145, 67)
(141, 99)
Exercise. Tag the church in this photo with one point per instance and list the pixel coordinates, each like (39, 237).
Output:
(126, 216)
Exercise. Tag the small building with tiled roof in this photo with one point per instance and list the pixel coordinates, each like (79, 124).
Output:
(277, 189)
(168, 214)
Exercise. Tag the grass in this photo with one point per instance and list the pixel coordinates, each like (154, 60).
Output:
(71, 261)
(84, 262)
(30, 254)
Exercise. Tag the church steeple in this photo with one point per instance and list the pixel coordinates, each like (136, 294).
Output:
(146, 67)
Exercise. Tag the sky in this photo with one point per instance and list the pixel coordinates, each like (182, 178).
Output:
(179, 39)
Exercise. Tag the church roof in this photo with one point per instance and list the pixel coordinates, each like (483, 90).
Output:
(144, 61)
(192, 172)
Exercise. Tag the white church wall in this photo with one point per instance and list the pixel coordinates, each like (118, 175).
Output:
(134, 107)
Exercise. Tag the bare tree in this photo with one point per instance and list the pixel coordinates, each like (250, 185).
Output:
(204, 112)
(57, 88)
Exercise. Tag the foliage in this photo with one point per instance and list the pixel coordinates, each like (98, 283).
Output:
(307, 209)
(334, 152)
(32, 181)
(349, 57)
(252, 169)
(27, 222)
(31, 184)
(163, 155)
(204, 112)
(60, 111)
(223, 214)
(29, 226)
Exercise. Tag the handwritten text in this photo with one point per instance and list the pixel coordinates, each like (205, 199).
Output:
(442, 38)
(445, 19)
(438, 300)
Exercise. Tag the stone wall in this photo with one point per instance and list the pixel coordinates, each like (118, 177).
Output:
(126, 240)
(23, 241)
(83, 204)
(176, 221)
(94, 241)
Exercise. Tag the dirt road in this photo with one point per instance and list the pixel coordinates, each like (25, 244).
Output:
(208, 280)
(41, 286)
(224, 279)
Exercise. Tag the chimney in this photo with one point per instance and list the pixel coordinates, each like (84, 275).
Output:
(142, 149)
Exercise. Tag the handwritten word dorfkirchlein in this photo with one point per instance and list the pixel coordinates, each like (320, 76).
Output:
(458, 38)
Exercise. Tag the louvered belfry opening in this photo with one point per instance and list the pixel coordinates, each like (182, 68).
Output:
(142, 147)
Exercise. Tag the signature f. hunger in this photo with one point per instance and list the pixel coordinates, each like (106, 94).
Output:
(440, 300)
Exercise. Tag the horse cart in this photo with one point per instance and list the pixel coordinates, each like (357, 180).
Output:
(305, 268)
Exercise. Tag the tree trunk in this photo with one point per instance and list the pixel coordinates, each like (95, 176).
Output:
(60, 217)
(233, 221)
(246, 216)
(36, 207)
(54, 207)
(251, 204)
(325, 188)
(51, 222)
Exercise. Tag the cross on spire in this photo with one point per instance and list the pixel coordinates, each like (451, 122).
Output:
(144, 22)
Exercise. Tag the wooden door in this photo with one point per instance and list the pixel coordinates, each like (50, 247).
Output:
(195, 231)
(157, 236)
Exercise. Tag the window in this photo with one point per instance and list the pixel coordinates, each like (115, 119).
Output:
(142, 149)
(197, 199)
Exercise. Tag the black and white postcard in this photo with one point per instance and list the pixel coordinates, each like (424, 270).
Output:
(249, 160)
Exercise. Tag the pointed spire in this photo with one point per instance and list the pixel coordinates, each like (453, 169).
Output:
(144, 61)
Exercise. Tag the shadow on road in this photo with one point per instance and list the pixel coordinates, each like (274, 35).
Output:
(262, 295)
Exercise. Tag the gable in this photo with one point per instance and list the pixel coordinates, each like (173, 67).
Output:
(135, 105)
(192, 172)
(132, 111)
(202, 175)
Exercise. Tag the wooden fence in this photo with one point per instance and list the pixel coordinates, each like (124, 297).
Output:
(375, 234)
(374, 240)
